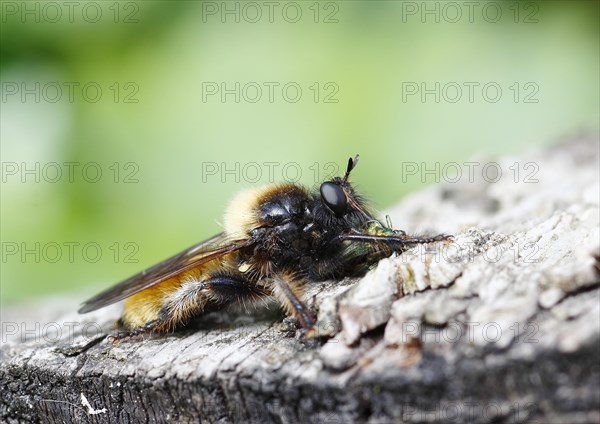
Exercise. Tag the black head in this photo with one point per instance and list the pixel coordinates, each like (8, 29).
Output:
(335, 193)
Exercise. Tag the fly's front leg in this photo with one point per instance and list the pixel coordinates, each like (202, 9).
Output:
(375, 242)
(401, 241)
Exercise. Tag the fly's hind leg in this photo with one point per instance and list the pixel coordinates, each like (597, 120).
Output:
(193, 298)
(150, 327)
(212, 294)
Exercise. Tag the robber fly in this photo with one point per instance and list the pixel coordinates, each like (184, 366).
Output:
(276, 239)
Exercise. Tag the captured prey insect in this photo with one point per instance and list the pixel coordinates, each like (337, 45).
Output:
(276, 240)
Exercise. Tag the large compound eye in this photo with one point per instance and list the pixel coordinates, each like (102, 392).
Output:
(335, 198)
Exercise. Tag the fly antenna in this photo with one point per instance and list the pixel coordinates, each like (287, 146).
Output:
(351, 165)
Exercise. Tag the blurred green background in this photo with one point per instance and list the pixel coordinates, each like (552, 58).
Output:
(135, 81)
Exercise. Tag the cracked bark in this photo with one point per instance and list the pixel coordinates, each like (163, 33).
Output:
(500, 326)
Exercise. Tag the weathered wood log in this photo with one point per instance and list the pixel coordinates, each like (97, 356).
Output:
(502, 325)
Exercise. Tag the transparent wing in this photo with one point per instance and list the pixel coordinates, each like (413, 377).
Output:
(201, 253)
